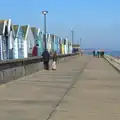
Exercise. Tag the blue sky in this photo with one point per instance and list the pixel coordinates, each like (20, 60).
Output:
(97, 22)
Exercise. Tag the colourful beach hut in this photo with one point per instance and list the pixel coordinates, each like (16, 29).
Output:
(40, 41)
(7, 37)
(52, 42)
(19, 42)
(63, 48)
(49, 46)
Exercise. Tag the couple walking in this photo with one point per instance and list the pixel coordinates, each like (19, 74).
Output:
(46, 58)
(96, 53)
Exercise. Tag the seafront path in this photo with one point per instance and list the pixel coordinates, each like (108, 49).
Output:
(83, 88)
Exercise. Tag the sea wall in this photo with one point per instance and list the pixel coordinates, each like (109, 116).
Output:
(14, 69)
(115, 62)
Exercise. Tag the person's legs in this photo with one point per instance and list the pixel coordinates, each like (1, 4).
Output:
(44, 65)
(97, 54)
(47, 65)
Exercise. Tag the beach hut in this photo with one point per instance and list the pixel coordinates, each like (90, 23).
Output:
(40, 41)
(66, 46)
(29, 40)
(52, 42)
(62, 46)
(3, 39)
(19, 42)
(59, 41)
(57, 44)
(7, 37)
(36, 38)
(49, 43)
(34, 32)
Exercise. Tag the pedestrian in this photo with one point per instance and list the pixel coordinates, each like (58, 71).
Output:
(46, 58)
(94, 53)
(35, 50)
(54, 60)
(103, 53)
(98, 53)
(55, 56)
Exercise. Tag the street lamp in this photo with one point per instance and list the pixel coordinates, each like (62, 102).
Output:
(45, 13)
(80, 42)
(72, 35)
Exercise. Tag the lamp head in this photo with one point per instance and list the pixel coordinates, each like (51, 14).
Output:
(44, 12)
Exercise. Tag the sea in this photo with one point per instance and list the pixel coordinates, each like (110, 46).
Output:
(112, 53)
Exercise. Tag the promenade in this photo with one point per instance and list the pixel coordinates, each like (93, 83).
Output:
(84, 88)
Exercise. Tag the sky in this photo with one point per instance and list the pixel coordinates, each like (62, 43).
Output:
(96, 22)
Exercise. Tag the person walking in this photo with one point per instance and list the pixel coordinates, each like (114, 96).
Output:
(54, 60)
(46, 58)
(94, 53)
(98, 53)
(55, 56)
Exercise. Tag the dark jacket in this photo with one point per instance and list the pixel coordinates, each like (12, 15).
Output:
(46, 55)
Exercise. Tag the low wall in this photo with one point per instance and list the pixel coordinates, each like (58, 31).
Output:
(14, 69)
(115, 62)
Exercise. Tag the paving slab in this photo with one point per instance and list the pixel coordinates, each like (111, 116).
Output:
(36, 96)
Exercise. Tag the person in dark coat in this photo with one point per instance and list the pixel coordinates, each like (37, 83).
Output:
(94, 53)
(46, 58)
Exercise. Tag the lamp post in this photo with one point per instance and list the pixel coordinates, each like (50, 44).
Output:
(80, 42)
(45, 13)
(72, 35)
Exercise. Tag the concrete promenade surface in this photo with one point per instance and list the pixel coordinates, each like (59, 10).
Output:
(95, 96)
(84, 88)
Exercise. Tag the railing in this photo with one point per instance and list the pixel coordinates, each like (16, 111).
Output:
(115, 62)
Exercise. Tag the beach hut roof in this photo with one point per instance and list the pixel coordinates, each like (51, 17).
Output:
(24, 28)
(15, 27)
(34, 31)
